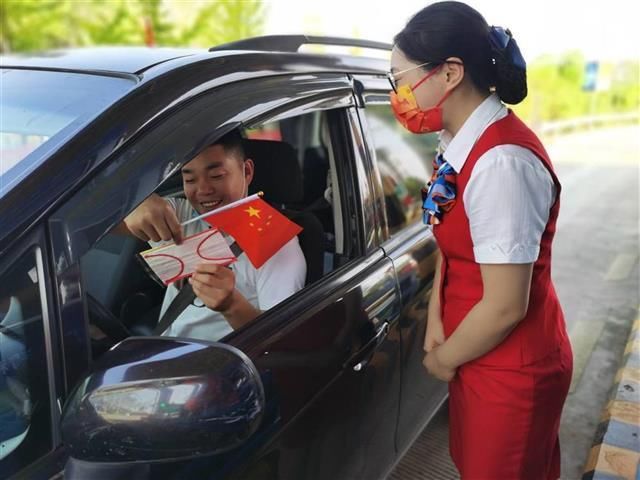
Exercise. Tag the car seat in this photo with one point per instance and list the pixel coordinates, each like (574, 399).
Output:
(278, 175)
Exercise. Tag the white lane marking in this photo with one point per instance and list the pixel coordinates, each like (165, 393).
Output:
(583, 335)
(621, 266)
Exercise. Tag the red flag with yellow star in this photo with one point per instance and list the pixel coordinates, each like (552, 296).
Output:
(257, 227)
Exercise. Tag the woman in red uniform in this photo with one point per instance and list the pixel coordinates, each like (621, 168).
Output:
(496, 330)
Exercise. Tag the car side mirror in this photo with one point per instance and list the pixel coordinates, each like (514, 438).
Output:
(157, 398)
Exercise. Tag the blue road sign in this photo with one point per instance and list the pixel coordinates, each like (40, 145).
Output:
(590, 76)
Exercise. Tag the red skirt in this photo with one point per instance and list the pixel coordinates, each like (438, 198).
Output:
(504, 422)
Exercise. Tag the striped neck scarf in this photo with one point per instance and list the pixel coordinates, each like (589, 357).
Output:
(440, 195)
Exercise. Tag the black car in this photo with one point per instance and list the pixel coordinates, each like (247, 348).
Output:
(328, 384)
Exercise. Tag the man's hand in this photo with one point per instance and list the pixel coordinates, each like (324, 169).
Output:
(214, 285)
(154, 219)
(436, 368)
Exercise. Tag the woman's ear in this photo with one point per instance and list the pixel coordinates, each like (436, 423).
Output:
(454, 72)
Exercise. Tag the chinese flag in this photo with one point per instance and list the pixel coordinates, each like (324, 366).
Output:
(257, 227)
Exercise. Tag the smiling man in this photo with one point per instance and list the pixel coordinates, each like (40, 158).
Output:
(227, 298)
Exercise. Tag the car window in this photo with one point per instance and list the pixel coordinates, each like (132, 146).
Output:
(316, 181)
(40, 106)
(294, 167)
(25, 415)
(404, 161)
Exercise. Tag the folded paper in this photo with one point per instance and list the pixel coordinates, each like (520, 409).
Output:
(172, 262)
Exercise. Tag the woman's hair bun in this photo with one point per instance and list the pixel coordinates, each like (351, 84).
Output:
(510, 66)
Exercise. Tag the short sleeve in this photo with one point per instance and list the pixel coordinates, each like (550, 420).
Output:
(508, 200)
(182, 207)
(281, 276)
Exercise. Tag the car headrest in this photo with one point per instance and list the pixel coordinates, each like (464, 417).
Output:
(277, 171)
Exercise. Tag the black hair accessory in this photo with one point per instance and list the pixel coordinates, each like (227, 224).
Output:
(504, 47)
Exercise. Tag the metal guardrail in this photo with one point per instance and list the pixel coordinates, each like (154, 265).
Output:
(583, 123)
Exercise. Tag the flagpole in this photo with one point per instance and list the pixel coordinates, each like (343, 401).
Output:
(235, 204)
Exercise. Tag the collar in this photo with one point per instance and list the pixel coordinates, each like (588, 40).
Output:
(456, 149)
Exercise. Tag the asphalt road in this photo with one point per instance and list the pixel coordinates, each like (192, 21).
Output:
(595, 270)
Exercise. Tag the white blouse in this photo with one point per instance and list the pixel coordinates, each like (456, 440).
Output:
(509, 194)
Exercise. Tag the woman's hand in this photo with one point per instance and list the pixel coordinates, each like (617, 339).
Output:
(436, 368)
(434, 335)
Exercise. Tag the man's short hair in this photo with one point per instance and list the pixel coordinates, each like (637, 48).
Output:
(232, 142)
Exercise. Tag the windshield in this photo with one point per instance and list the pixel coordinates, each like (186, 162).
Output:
(39, 110)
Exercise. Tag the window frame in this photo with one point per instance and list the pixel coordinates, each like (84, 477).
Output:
(35, 244)
(73, 232)
(110, 191)
(375, 90)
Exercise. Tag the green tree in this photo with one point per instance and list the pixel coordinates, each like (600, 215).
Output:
(556, 89)
(94, 22)
(235, 20)
(219, 22)
(28, 25)
(154, 14)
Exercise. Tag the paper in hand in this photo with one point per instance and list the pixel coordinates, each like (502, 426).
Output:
(173, 262)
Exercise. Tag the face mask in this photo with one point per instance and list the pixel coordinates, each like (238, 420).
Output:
(406, 110)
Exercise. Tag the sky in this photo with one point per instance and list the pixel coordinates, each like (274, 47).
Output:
(605, 31)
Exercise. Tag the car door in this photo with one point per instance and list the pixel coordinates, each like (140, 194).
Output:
(30, 372)
(402, 162)
(333, 352)
(329, 356)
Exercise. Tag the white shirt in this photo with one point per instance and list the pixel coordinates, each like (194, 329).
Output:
(509, 194)
(280, 276)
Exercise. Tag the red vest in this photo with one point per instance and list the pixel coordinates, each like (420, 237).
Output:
(542, 330)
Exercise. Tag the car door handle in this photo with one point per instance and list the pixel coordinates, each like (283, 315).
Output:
(365, 353)
(377, 307)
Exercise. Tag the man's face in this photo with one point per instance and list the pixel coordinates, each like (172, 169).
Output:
(216, 177)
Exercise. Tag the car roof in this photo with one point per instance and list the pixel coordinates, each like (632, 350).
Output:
(135, 60)
(129, 60)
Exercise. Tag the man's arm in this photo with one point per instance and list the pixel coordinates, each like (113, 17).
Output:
(153, 220)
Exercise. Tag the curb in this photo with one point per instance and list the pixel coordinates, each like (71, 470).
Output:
(615, 454)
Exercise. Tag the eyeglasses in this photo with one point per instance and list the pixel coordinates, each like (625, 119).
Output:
(392, 76)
